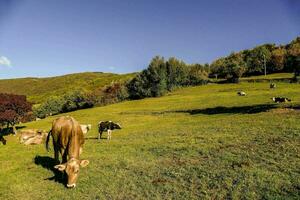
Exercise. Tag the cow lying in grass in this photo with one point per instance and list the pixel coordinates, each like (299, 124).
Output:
(272, 85)
(241, 93)
(85, 128)
(107, 126)
(280, 99)
(68, 140)
(32, 136)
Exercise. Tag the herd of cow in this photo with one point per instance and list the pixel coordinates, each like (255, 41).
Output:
(274, 99)
(68, 139)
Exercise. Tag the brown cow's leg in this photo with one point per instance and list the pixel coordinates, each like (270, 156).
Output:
(64, 156)
(56, 154)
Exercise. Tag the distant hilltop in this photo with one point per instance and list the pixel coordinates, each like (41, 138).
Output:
(39, 89)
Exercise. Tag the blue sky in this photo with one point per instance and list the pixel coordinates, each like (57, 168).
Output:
(46, 38)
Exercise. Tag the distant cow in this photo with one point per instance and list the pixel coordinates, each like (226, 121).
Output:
(280, 99)
(241, 93)
(85, 128)
(272, 86)
(68, 139)
(107, 126)
(32, 136)
(2, 140)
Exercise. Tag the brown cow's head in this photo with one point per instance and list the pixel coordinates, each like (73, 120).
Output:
(72, 169)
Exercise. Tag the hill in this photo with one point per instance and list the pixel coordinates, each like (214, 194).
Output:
(38, 89)
(194, 143)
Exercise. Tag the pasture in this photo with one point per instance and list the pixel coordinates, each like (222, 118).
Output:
(200, 142)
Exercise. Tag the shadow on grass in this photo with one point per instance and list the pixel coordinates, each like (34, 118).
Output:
(49, 163)
(231, 110)
(95, 138)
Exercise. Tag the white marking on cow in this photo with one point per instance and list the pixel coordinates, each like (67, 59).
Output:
(109, 134)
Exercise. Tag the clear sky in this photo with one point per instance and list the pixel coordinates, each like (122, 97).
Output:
(54, 37)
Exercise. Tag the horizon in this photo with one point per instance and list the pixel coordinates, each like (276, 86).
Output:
(46, 39)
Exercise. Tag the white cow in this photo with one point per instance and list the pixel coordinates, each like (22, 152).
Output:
(85, 128)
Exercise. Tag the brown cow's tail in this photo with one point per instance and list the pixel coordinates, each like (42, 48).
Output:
(47, 140)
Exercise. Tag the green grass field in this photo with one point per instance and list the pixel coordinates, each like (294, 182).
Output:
(269, 77)
(39, 89)
(195, 143)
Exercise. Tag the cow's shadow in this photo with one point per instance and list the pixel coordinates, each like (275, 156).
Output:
(49, 163)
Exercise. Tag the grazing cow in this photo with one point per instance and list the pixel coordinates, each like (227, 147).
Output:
(68, 139)
(107, 126)
(280, 99)
(2, 140)
(272, 86)
(85, 128)
(32, 136)
(241, 93)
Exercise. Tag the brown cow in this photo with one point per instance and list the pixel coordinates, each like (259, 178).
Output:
(68, 139)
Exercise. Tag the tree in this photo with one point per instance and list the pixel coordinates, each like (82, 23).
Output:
(157, 76)
(52, 106)
(177, 72)
(138, 87)
(278, 59)
(115, 92)
(293, 56)
(235, 66)
(151, 82)
(218, 68)
(75, 100)
(13, 108)
(257, 58)
(198, 74)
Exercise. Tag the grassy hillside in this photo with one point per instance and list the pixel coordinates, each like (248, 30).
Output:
(269, 77)
(195, 143)
(38, 89)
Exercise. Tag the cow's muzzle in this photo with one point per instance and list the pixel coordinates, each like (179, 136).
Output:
(71, 185)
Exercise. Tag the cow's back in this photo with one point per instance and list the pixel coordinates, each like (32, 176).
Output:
(64, 129)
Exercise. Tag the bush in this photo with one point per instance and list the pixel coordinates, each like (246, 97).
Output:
(113, 93)
(69, 102)
(198, 75)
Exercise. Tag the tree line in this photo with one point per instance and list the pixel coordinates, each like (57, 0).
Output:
(267, 58)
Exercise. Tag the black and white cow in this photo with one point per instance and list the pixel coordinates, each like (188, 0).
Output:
(241, 93)
(2, 140)
(280, 99)
(272, 86)
(107, 126)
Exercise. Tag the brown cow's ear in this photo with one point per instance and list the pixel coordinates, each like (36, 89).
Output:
(61, 167)
(84, 163)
